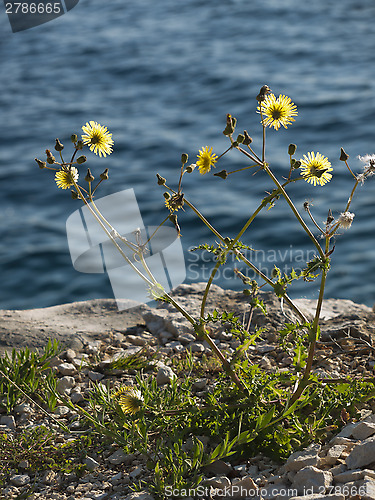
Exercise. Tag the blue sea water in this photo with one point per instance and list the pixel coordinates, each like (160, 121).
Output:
(162, 76)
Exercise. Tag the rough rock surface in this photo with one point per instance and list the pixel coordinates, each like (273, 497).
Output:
(72, 324)
(341, 469)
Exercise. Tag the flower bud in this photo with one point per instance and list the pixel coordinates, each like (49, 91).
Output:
(330, 217)
(89, 177)
(262, 93)
(295, 163)
(104, 175)
(166, 196)
(231, 125)
(190, 168)
(58, 145)
(223, 174)
(292, 149)
(81, 159)
(275, 272)
(343, 155)
(41, 164)
(240, 138)
(246, 291)
(184, 158)
(79, 145)
(50, 158)
(248, 140)
(74, 195)
(161, 180)
(74, 138)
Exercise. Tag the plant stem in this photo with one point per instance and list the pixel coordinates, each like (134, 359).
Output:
(312, 335)
(295, 211)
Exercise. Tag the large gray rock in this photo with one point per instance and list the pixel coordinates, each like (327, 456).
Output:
(362, 454)
(72, 324)
(301, 459)
(311, 479)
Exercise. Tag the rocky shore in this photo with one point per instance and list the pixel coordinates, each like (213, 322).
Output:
(342, 468)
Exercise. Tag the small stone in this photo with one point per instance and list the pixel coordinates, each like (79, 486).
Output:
(176, 345)
(220, 482)
(91, 463)
(349, 475)
(274, 491)
(116, 478)
(347, 431)
(338, 470)
(51, 477)
(300, 459)
(22, 408)
(316, 496)
(118, 457)
(139, 495)
(186, 338)
(312, 479)
(95, 376)
(70, 354)
(362, 454)
(24, 464)
(197, 347)
(76, 397)
(61, 411)
(219, 467)
(363, 430)
(334, 454)
(136, 340)
(20, 479)
(369, 473)
(99, 495)
(136, 472)
(265, 363)
(9, 421)
(67, 369)
(264, 348)
(93, 347)
(246, 484)
(200, 384)
(342, 440)
(165, 375)
(241, 469)
(65, 384)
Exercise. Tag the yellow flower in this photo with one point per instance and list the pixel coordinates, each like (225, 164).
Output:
(66, 177)
(130, 399)
(315, 168)
(175, 202)
(206, 160)
(97, 138)
(277, 112)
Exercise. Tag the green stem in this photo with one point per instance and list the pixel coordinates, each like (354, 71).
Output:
(313, 336)
(109, 235)
(287, 299)
(295, 211)
(243, 258)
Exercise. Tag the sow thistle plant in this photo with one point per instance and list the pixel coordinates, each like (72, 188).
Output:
(251, 393)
